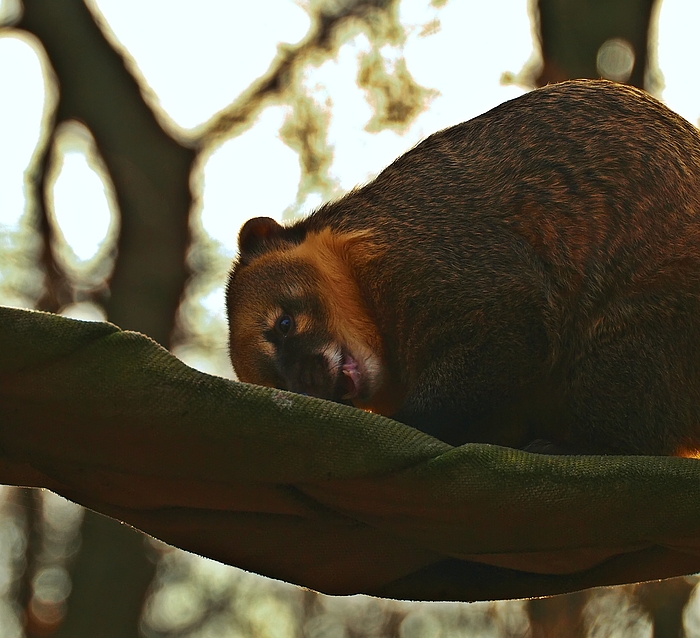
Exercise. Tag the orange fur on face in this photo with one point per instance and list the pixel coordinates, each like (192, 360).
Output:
(330, 255)
(333, 256)
(331, 259)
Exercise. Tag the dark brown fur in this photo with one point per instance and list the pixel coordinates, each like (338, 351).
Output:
(532, 275)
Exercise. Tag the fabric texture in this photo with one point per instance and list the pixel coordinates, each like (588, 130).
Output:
(320, 494)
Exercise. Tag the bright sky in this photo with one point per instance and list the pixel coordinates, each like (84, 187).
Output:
(196, 63)
(20, 121)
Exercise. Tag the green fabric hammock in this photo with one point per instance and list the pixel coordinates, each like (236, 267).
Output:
(320, 494)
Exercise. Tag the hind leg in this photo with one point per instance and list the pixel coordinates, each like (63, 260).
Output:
(633, 385)
(490, 391)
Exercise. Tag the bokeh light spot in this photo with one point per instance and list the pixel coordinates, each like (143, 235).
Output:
(615, 59)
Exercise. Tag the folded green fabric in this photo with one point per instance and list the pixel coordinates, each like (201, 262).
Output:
(320, 494)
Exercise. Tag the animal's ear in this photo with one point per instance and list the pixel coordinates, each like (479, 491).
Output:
(255, 234)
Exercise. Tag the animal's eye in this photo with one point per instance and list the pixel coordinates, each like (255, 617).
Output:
(284, 324)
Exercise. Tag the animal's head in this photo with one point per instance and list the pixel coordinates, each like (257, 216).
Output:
(296, 318)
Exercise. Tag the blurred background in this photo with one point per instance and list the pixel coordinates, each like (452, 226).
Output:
(135, 139)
